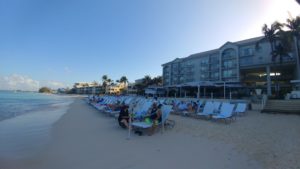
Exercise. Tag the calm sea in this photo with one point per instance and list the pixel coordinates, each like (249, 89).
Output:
(26, 119)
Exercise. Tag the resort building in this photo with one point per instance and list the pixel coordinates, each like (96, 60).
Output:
(241, 66)
(87, 88)
(131, 89)
(155, 91)
(116, 88)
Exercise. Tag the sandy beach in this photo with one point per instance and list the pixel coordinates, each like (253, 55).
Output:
(85, 138)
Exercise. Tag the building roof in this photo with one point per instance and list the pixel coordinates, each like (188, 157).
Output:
(248, 41)
(205, 53)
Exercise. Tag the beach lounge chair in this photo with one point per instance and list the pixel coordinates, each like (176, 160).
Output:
(216, 106)
(199, 106)
(208, 109)
(141, 110)
(240, 109)
(225, 113)
(166, 110)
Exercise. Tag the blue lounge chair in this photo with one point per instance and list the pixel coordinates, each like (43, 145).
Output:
(225, 113)
(166, 110)
(240, 109)
(208, 109)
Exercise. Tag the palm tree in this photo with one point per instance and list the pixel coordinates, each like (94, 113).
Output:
(104, 77)
(157, 80)
(294, 25)
(271, 34)
(147, 81)
(104, 82)
(123, 79)
(109, 81)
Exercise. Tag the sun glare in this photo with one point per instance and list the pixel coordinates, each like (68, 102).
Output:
(280, 10)
(275, 10)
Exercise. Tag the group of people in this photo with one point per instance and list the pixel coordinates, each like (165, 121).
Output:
(154, 115)
(185, 108)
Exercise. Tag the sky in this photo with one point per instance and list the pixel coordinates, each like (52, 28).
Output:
(56, 43)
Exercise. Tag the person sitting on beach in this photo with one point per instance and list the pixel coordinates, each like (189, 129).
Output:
(116, 107)
(153, 108)
(155, 117)
(124, 117)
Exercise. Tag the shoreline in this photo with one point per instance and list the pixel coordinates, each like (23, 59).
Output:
(85, 138)
(25, 134)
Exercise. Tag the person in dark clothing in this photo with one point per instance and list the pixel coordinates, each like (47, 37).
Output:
(156, 113)
(124, 117)
(155, 118)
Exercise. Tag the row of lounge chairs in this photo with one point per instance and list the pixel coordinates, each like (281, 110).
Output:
(214, 110)
(138, 107)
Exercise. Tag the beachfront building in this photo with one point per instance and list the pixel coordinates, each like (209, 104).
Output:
(87, 88)
(116, 88)
(131, 89)
(245, 66)
(155, 91)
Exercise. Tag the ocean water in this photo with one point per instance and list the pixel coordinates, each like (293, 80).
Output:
(26, 119)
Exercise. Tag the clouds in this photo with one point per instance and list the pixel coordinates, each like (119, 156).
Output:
(18, 82)
(23, 82)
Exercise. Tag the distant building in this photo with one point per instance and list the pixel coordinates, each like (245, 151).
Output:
(131, 89)
(116, 88)
(155, 91)
(139, 81)
(87, 88)
(61, 90)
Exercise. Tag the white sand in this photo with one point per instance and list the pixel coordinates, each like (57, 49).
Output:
(86, 139)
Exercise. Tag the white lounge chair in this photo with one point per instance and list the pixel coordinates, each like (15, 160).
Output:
(199, 107)
(216, 106)
(166, 110)
(225, 113)
(208, 109)
(240, 109)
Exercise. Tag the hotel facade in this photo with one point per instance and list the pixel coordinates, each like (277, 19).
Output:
(245, 64)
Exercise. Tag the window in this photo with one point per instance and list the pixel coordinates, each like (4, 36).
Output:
(229, 73)
(247, 51)
(258, 49)
(229, 64)
(246, 61)
(214, 59)
(214, 66)
(228, 54)
(214, 75)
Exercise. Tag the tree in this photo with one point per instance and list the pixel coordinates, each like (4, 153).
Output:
(280, 52)
(157, 81)
(294, 25)
(104, 81)
(271, 34)
(109, 81)
(147, 81)
(123, 79)
(45, 90)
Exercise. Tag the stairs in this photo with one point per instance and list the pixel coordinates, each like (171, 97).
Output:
(282, 106)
